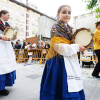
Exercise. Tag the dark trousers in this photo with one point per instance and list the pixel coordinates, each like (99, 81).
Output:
(97, 67)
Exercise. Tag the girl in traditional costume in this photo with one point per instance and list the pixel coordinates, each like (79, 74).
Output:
(61, 78)
(7, 57)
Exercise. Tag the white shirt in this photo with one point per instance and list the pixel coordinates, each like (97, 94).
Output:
(69, 52)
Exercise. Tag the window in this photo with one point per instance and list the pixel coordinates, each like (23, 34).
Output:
(27, 34)
(27, 15)
(27, 21)
(27, 27)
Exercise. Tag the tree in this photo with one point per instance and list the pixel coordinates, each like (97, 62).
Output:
(94, 5)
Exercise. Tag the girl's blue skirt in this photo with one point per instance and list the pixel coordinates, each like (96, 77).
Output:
(7, 80)
(54, 82)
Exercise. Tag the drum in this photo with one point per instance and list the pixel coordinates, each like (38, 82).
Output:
(83, 36)
(10, 33)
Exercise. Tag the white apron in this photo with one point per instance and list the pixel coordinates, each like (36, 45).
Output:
(74, 78)
(7, 57)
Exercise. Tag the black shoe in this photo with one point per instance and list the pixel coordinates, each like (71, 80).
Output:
(4, 92)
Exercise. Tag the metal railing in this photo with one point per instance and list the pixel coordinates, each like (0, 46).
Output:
(23, 55)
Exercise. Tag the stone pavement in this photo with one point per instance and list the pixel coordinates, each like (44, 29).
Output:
(91, 85)
(27, 84)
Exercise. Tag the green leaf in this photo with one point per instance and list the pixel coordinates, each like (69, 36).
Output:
(98, 16)
(97, 10)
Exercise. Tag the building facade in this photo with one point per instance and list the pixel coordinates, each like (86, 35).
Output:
(86, 20)
(27, 21)
(17, 17)
(45, 25)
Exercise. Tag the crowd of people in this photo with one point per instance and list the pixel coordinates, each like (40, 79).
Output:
(27, 45)
(30, 52)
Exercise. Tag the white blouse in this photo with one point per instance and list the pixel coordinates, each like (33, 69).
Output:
(69, 52)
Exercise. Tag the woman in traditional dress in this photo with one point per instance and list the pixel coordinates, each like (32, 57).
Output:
(7, 57)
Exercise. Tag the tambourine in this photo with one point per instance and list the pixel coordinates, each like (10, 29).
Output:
(10, 33)
(83, 36)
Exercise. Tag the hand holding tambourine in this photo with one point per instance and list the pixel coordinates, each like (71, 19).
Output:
(82, 48)
(82, 37)
(4, 38)
(9, 34)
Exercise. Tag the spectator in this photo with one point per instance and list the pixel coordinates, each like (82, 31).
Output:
(26, 50)
(28, 45)
(20, 43)
(47, 46)
(36, 44)
(24, 44)
(17, 45)
(41, 46)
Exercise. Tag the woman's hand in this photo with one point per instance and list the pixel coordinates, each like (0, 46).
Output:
(82, 48)
(4, 38)
(15, 37)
